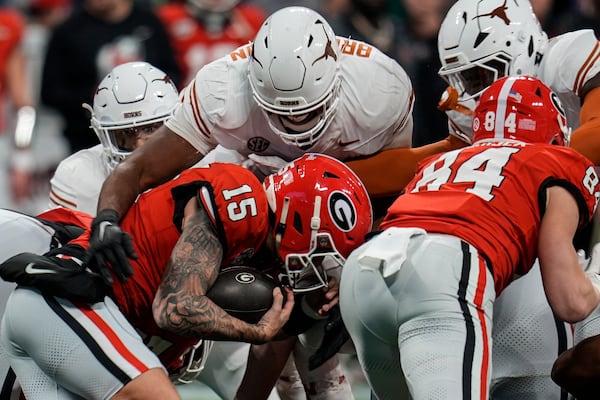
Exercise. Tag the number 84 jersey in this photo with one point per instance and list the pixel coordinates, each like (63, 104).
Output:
(492, 195)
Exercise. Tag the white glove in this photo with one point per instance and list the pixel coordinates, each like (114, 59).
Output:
(264, 165)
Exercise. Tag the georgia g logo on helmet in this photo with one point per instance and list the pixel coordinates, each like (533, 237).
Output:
(342, 211)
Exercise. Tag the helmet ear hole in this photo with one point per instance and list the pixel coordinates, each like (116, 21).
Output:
(298, 223)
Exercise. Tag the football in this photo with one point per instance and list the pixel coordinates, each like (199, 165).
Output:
(243, 292)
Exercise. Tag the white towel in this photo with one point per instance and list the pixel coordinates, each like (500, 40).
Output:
(388, 250)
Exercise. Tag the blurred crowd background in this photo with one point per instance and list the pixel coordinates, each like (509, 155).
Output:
(53, 53)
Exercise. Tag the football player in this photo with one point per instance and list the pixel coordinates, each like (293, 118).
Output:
(184, 232)
(130, 103)
(418, 298)
(296, 88)
(478, 43)
(21, 233)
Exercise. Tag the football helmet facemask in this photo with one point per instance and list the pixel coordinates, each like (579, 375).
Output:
(481, 41)
(322, 212)
(520, 108)
(294, 74)
(194, 361)
(132, 101)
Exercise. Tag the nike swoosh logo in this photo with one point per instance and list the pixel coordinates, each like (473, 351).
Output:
(32, 271)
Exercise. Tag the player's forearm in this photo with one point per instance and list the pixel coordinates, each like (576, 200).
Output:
(196, 316)
(17, 80)
(265, 363)
(586, 140)
(119, 190)
(388, 172)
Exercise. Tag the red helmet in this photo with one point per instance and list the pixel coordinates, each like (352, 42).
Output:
(520, 108)
(322, 212)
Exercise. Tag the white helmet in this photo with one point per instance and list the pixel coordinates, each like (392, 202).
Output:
(482, 40)
(134, 98)
(294, 74)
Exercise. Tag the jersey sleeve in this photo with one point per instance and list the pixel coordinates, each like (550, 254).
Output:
(237, 205)
(77, 181)
(188, 121)
(376, 95)
(214, 97)
(570, 60)
(581, 179)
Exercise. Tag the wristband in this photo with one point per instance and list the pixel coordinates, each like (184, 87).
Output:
(108, 215)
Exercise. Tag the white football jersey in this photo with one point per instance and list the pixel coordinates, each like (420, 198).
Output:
(374, 111)
(78, 178)
(569, 61)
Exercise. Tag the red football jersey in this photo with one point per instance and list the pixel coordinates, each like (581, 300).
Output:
(195, 46)
(492, 195)
(236, 203)
(67, 216)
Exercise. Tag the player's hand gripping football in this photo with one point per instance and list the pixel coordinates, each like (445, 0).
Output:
(279, 313)
(110, 248)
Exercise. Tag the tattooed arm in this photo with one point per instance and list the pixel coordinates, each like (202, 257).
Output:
(181, 305)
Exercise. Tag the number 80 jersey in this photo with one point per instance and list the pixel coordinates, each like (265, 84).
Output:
(492, 195)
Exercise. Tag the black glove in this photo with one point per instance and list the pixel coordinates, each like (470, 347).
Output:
(334, 338)
(61, 277)
(110, 245)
